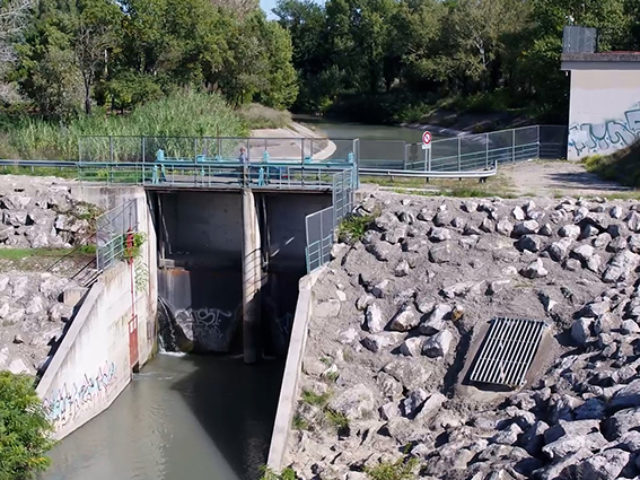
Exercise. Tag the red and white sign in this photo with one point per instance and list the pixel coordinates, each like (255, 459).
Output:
(426, 140)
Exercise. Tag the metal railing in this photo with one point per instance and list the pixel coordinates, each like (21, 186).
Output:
(320, 226)
(475, 153)
(112, 228)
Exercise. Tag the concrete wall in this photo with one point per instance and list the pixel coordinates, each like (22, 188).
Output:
(94, 361)
(604, 113)
(289, 390)
(286, 214)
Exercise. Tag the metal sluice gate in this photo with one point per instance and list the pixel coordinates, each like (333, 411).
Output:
(507, 351)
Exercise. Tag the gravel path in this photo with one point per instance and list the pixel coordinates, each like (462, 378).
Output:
(551, 178)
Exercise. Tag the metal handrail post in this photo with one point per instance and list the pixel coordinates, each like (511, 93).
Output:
(110, 148)
(538, 142)
(513, 145)
(144, 148)
(459, 159)
(486, 150)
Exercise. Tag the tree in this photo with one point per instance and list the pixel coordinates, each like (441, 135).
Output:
(95, 36)
(24, 429)
(13, 18)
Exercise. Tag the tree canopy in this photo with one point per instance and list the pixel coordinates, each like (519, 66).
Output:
(444, 48)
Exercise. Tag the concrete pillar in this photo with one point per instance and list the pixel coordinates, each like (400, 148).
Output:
(251, 278)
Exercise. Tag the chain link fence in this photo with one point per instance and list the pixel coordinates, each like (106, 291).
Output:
(112, 228)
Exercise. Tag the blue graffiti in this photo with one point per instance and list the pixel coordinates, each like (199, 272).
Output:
(65, 403)
(590, 138)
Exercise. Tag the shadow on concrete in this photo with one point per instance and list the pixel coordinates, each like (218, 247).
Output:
(236, 405)
(583, 181)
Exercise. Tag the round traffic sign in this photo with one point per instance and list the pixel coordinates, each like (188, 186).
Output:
(426, 137)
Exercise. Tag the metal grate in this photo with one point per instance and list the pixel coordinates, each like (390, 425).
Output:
(507, 351)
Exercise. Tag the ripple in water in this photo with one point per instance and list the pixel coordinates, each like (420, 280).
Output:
(181, 417)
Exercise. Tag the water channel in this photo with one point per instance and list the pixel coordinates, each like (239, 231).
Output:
(197, 417)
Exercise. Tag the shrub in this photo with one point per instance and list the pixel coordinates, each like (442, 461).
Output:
(353, 228)
(259, 116)
(315, 399)
(401, 469)
(24, 429)
(286, 474)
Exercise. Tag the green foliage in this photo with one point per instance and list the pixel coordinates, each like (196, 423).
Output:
(337, 419)
(259, 116)
(24, 429)
(622, 166)
(132, 245)
(315, 399)
(184, 113)
(353, 227)
(390, 61)
(401, 469)
(300, 423)
(286, 474)
(21, 253)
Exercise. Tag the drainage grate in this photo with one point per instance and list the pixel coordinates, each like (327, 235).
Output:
(507, 352)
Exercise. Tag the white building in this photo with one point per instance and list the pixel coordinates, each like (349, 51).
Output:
(604, 110)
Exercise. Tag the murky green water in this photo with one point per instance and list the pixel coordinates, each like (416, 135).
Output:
(335, 129)
(181, 418)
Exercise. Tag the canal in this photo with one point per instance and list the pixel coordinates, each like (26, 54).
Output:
(191, 417)
(182, 417)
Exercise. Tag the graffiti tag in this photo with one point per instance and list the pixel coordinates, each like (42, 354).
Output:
(67, 402)
(590, 138)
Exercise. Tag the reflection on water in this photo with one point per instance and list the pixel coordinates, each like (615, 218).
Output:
(181, 418)
(360, 130)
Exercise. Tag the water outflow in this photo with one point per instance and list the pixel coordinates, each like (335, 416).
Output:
(171, 337)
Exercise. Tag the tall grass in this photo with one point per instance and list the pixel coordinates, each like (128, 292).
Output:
(182, 114)
(259, 116)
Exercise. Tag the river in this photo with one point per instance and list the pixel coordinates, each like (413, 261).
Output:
(190, 417)
(336, 129)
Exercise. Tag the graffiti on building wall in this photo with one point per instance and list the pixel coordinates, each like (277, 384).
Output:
(66, 403)
(591, 138)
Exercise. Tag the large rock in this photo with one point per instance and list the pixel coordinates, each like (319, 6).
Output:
(412, 402)
(374, 319)
(569, 231)
(627, 396)
(620, 266)
(404, 320)
(534, 270)
(355, 403)
(531, 243)
(439, 234)
(567, 445)
(621, 422)
(441, 253)
(581, 330)
(435, 322)
(604, 466)
(558, 250)
(438, 345)
(633, 221)
(411, 374)
(412, 347)
(527, 227)
(381, 341)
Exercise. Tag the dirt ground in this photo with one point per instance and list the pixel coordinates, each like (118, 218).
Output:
(557, 178)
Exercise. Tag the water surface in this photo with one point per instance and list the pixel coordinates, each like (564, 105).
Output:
(182, 418)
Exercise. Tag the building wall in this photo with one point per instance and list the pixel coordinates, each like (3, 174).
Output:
(604, 112)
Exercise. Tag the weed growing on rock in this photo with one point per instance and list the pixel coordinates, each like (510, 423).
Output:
(286, 474)
(337, 419)
(353, 228)
(401, 469)
(315, 399)
(300, 423)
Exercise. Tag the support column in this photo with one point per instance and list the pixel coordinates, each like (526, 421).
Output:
(251, 278)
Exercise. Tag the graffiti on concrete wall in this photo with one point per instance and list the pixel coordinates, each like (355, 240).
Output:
(211, 328)
(66, 403)
(592, 138)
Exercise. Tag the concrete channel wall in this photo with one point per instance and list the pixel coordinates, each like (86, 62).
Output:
(113, 331)
(289, 387)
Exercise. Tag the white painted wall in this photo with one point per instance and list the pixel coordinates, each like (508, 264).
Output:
(92, 365)
(604, 112)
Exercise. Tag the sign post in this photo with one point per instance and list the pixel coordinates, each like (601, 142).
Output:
(426, 146)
